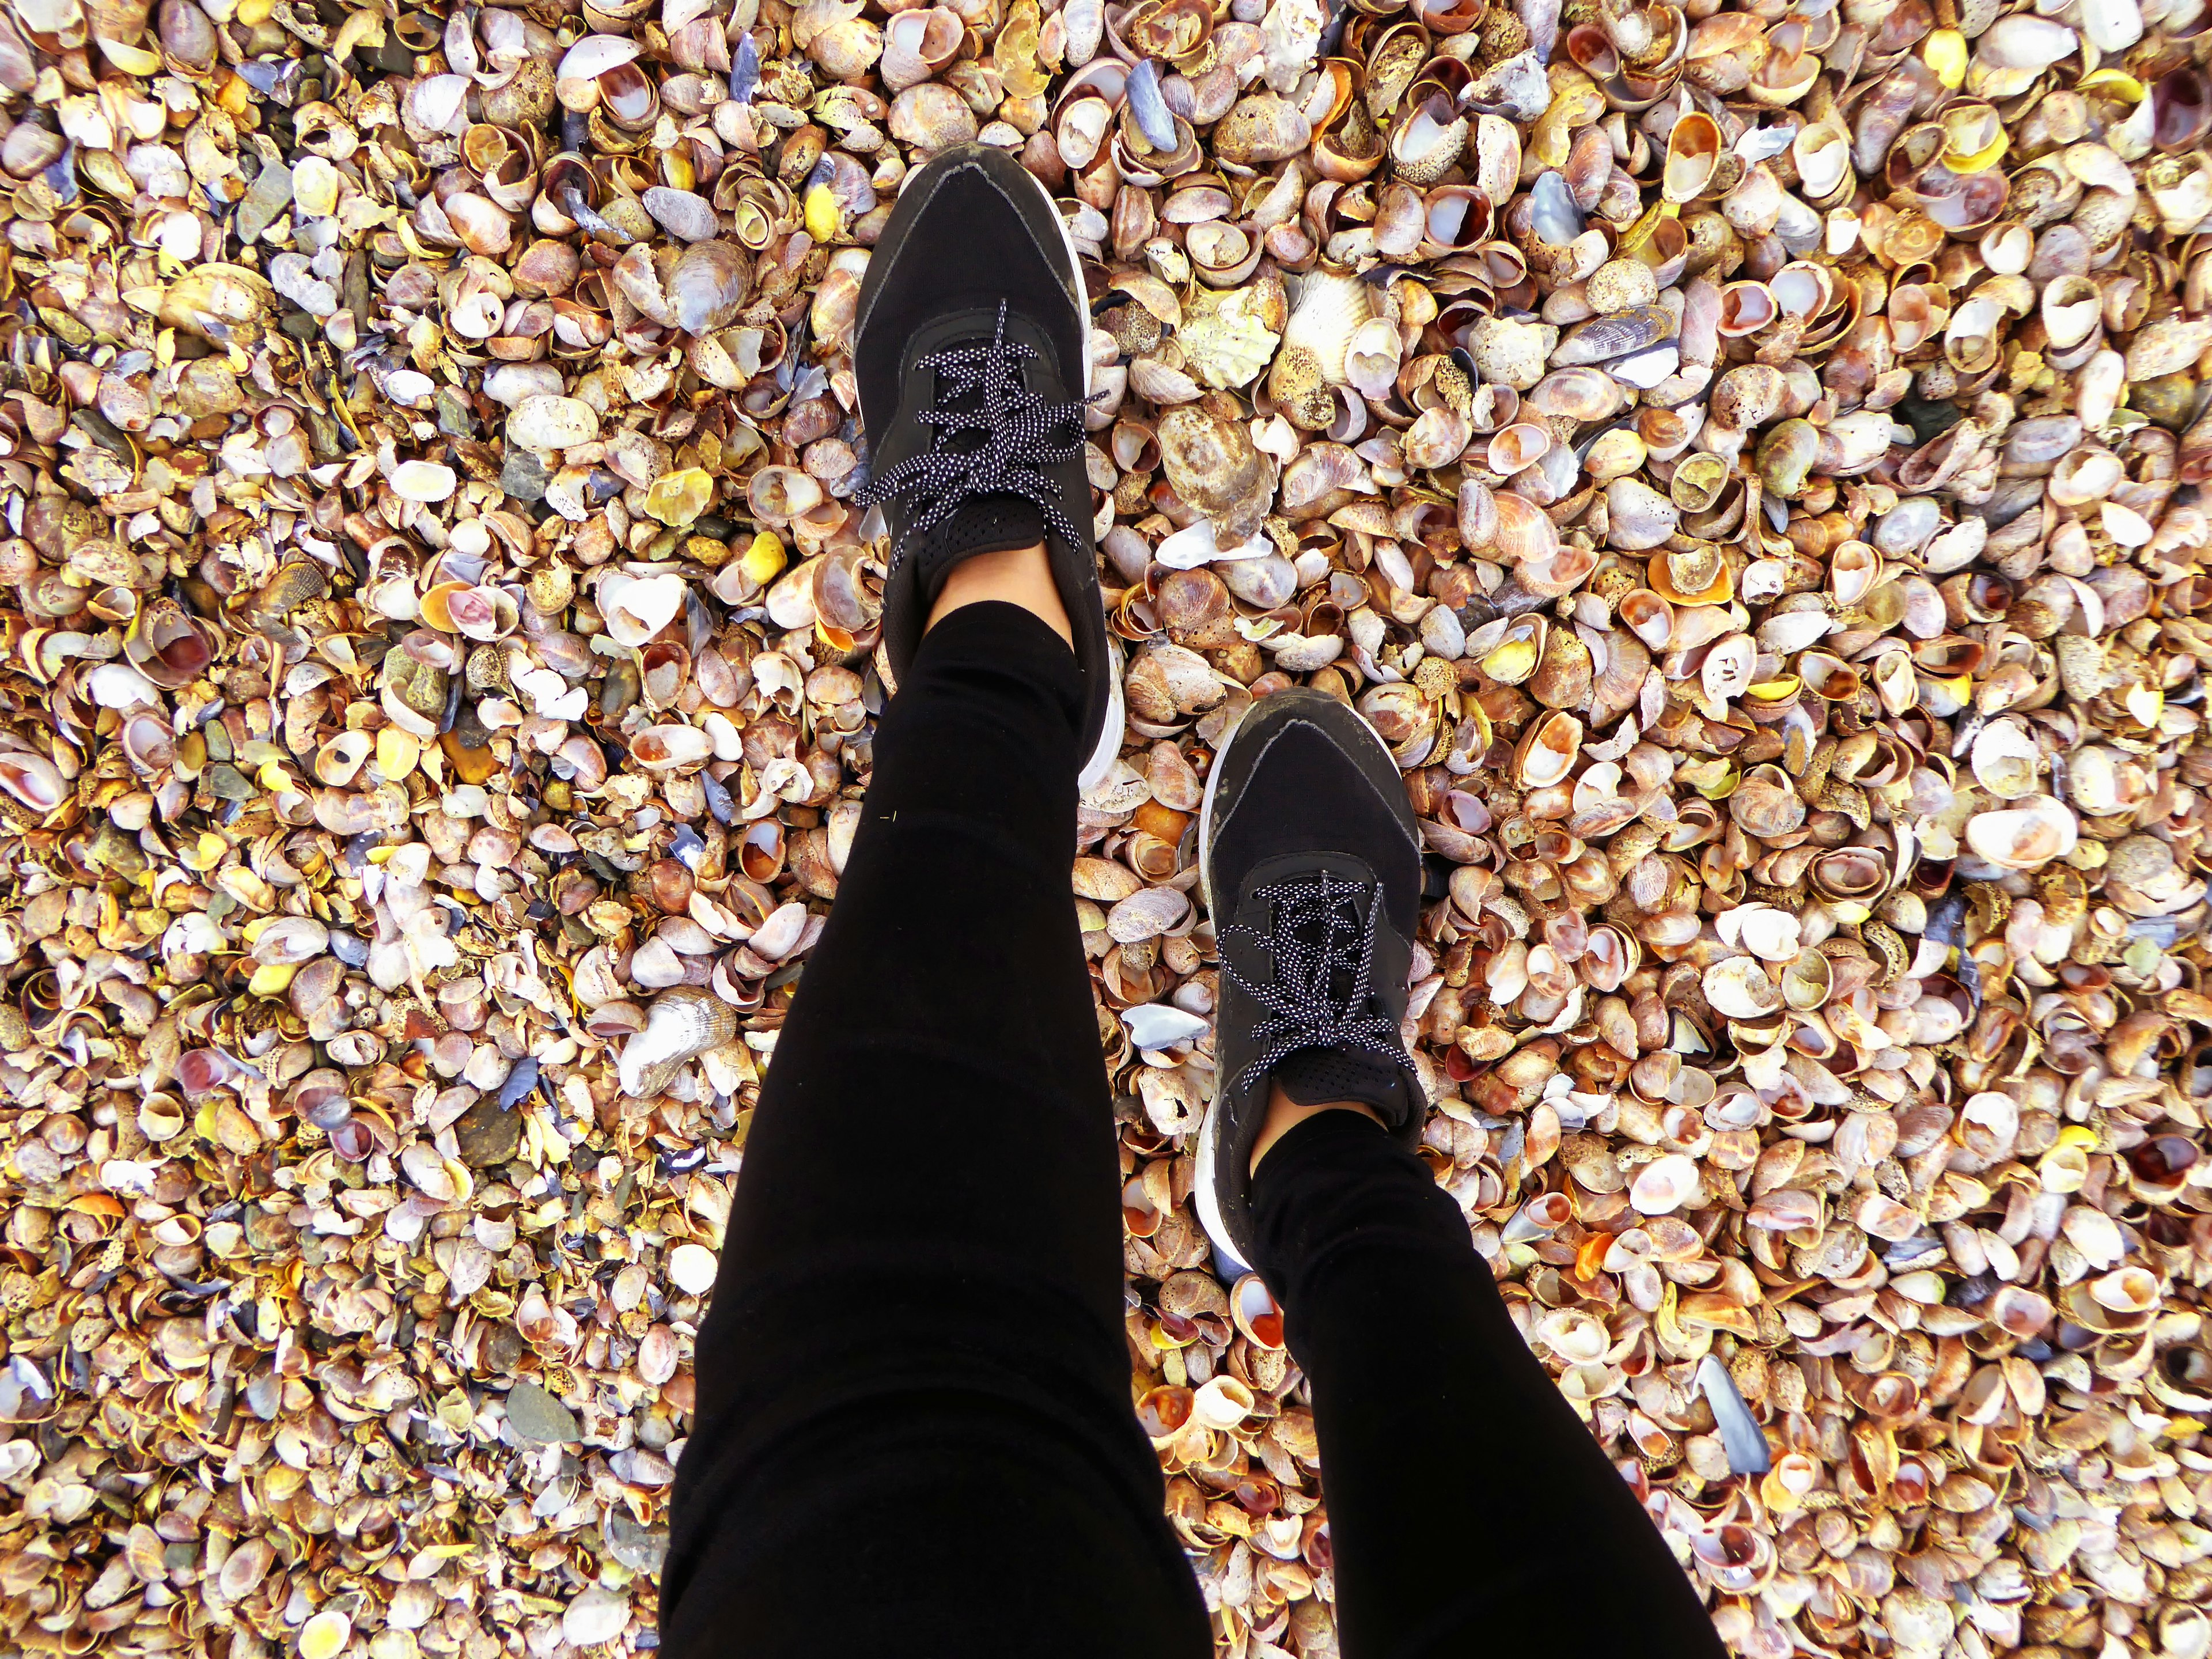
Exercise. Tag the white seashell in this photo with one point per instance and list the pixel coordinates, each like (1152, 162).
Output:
(594, 55)
(636, 608)
(437, 101)
(2026, 838)
(1290, 35)
(692, 1266)
(325, 1635)
(1147, 913)
(1329, 311)
(1370, 358)
(2023, 41)
(1195, 544)
(1158, 1025)
(1577, 1337)
(1225, 345)
(119, 685)
(1770, 934)
(1086, 25)
(655, 966)
(684, 1023)
(2092, 778)
(1664, 1185)
(550, 423)
(2006, 759)
(2125, 525)
(1647, 368)
(2127, 1291)
(409, 386)
(513, 383)
(1222, 1402)
(1739, 988)
(1303, 653)
(1741, 1437)
(423, 481)
(2096, 1235)
(2113, 25)
(599, 1614)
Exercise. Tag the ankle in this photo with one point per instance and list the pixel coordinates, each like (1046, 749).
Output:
(1017, 575)
(1284, 1115)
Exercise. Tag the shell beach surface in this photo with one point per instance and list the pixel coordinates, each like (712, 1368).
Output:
(1746, 459)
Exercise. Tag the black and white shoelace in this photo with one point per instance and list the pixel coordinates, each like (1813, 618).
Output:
(1317, 936)
(980, 392)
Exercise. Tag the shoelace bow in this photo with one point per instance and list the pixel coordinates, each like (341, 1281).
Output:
(1315, 932)
(1017, 428)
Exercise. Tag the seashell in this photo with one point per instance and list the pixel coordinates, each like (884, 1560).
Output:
(1648, 616)
(1427, 141)
(1212, 464)
(1637, 516)
(424, 481)
(1615, 336)
(1519, 445)
(1622, 286)
(1664, 1185)
(1548, 753)
(1693, 153)
(1221, 1402)
(2007, 760)
(1765, 804)
(2024, 837)
(2026, 42)
(635, 609)
(1509, 353)
(1261, 127)
(33, 780)
(684, 1023)
(1316, 337)
(1156, 1025)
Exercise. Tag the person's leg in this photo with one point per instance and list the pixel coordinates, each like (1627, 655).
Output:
(1508, 1531)
(913, 1432)
(1470, 1512)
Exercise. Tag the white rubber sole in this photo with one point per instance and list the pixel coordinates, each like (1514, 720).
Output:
(1111, 732)
(1116, 723)
(1226, 1260)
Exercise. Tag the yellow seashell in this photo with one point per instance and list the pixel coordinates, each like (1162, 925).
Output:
(1511, 663)
(822, 216)
(1945, 52)
(2114, 83)
(270, 978)
(763, 561)
(677, 498)
(1981, 159)
(397, 751)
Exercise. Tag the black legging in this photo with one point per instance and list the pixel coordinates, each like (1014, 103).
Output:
(914, 1433)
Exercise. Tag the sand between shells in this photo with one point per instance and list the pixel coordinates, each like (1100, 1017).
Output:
(1745, 459)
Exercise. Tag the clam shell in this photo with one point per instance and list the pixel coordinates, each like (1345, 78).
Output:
(684, 1023)
(2024, 837)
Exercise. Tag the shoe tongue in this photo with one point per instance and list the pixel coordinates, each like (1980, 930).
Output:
(981, 523)
(1314, 1077)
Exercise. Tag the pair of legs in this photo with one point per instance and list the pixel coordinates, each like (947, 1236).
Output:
(913, 1432)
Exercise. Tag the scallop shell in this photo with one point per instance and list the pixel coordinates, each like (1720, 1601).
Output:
(1329, 310)
(685, 1022)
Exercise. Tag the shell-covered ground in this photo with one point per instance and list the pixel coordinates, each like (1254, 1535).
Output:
(1745, 459)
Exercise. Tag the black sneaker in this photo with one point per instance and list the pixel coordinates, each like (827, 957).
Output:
(1311, 865)
(972, 351)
